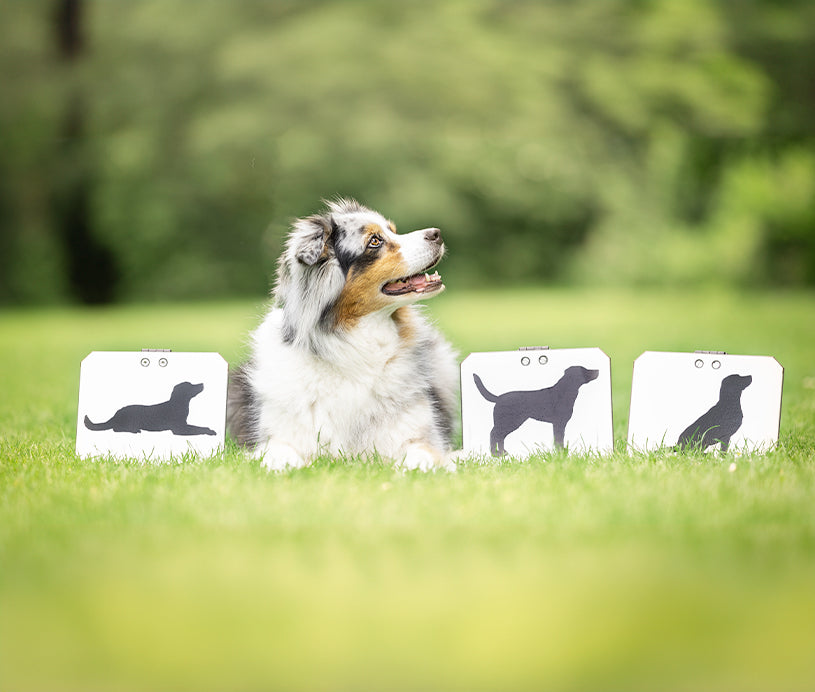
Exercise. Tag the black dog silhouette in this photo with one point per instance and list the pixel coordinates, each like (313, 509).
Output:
(720, 421)
(169, 415)
(553, 405)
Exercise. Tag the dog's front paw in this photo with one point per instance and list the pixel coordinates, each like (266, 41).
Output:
(425, 458)
(278, 456)
(459, 456)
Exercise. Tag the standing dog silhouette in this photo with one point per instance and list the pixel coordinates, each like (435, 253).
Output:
(553, 405)
(169, 415)
(720, 421)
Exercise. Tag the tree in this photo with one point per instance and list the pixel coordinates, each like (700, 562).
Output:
(90, 264)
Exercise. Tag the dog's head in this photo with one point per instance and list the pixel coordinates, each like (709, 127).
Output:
(348, 262)
(579, 374)
(187, 389)
(735, 384)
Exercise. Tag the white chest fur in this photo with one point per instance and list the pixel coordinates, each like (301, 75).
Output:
(367, 391)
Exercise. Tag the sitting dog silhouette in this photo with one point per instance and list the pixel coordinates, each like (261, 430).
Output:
(553, 405)
(169, 415)
(720, 421)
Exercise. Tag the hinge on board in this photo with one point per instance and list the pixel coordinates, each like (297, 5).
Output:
(157, 350)
(533, 348)
(712, 353)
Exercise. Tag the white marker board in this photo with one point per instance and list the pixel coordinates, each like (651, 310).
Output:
(151, 405)
(520, 402)
(705, 401)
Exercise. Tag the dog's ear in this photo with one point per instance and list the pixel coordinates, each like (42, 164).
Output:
(310, 237)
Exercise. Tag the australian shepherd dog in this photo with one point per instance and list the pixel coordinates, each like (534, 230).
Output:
(344, 362)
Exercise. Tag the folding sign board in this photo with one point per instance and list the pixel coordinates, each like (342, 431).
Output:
(151, 404)
(519, 402)
(705, 401)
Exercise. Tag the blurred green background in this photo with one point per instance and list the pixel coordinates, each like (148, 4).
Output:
(155, 150)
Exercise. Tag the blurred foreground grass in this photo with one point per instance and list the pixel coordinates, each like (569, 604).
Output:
(562, 572)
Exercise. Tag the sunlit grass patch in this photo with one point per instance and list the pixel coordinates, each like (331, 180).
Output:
(618, 571)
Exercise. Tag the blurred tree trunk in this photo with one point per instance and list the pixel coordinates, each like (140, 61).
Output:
(90, 264)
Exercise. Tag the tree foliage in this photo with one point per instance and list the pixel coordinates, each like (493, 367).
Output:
(620, 141)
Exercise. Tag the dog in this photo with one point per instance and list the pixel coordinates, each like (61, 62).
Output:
(720, 422)
(344, 362)
(553, 405)
(170, 415)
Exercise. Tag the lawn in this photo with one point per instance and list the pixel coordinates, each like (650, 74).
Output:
(618, 572)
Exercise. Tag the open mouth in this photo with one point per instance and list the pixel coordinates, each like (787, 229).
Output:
(418, 283)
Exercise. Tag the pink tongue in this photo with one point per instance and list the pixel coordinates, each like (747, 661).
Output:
(414, 283)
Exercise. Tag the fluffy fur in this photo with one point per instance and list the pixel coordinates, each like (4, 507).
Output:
(344, 363)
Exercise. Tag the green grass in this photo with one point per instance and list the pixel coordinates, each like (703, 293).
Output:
(619, 572)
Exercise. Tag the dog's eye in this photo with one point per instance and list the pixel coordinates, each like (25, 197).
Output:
(375, 242)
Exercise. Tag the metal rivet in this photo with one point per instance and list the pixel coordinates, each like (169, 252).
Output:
(698, 363)
(525, 360)
(543, 360)
(163, 362)
(145, 362)
(716, 364)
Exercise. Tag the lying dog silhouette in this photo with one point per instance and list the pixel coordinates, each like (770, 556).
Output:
(553, 405)
(720, 421)
(169, 415)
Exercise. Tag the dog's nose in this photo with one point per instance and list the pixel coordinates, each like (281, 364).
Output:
(433, 235)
